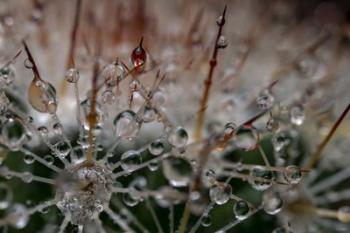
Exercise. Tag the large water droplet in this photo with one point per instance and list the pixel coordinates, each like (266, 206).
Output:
(272, 202)
(28, 159)
(62, 149)
(130, 160)
(42, 96)
(138, 57)
(292, 174)
(27, 177)
(246, 139)
(113, 74)
(178, 137)
(127, 124)
(7, 76)
(241, 209)
(149, 114)
(153, 165)
(13, 133)
(344, 214)
(18, 216)
(129, 200)
(108, 97)
(49, 159)
(156, 147)
(261, 179)
(206, 220)
(220, 194)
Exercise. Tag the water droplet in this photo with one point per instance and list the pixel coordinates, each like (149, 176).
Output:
(220, 194)
(178, 171)
(30, 119)
(246, 139)
(265, 100)
(230, 128)
(222, 42)
(129, 201)
(108, 97)
(49, 159)
(156, 147)
(43, 131)
(130, 160)
(158, 98)
(28, 159)
(27, 177)
(178, 137)
(18, 216)
(292, 174)
(7, 76)
(42, 96)
(28, 64)
(210, 175)
(13, 133)
(297, 115)
(241, 209)
(127, 124)
(272, 125)
(272, 202)
(149, 114)
(45, 210)
(5, 196)
(72, 75)
(62, 149)
(58, 129)
(206, 220)
(220, 20)
(261, 179)
(153, 165)
(113, 74)
(138, 57)
(344, 214)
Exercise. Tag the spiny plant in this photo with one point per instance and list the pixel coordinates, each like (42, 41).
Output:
(182, 125)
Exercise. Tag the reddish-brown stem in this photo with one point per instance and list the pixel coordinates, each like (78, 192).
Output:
(33, 67)
(73, 36)
(12, 59)
(318, 153)
(208, 82)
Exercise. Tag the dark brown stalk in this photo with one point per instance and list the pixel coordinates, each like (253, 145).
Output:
(208, 82)
(33, 67)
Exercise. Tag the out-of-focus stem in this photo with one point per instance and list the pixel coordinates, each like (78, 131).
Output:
(92, 116)
(73, 39)
(318, 153)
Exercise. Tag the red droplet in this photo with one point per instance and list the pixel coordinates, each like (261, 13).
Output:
(138, 57)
